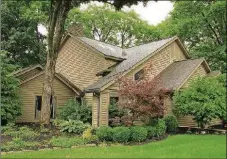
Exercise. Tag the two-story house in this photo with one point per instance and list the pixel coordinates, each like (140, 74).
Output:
(89, 69)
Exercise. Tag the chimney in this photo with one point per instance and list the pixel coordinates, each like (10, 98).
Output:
(76, 29)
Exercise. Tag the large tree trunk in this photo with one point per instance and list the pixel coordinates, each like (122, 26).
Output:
(58, 14)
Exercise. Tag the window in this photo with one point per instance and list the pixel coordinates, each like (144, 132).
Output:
(53, 105)
(38, 105)
(113, 100)
(139, 75)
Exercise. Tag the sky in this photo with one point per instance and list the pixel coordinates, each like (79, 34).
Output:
(153, 12)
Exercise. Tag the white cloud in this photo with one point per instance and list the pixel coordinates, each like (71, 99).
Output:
(153, 12)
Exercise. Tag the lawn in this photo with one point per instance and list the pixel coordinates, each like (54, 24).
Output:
(177, 146)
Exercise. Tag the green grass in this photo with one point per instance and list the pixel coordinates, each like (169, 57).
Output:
(178, 146)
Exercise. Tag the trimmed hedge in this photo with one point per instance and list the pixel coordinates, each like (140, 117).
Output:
(138, 134)
(157, 129)
(121, 134)
(104, 133)
(171, 124)
(151, 132)
(160, 127)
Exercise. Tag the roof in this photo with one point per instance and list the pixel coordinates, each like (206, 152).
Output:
(26, 69)
(177, 73)
(137, 54)
(106, 49)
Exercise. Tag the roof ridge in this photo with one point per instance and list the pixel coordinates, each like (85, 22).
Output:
(100, 41)
(151, 42)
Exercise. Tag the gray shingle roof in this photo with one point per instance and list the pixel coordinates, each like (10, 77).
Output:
(107, 49)
(174, 75)
(134, 55)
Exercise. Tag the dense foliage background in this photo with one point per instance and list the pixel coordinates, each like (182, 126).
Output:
(199, 24)
(10, 101)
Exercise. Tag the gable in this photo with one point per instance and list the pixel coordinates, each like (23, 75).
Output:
(199, 72)
(177, 53)
(29, 74)
(80, 63)
(158, 62)
(35, 86)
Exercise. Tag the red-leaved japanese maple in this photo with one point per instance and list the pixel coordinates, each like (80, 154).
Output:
(142, 98)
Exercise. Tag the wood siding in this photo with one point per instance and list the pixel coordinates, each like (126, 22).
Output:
(168, 106)
(33, 88)
(177, 54)
(95, 109)
(104, 108)
(89, 98)
(80, 63)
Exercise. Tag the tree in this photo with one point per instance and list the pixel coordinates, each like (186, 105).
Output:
(142, 98)
(103, 23)
(204, 99)
(19, 32)
(201, 25)
(57, 16)
(10, 103)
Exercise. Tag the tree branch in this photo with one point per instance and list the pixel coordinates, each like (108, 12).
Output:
(212, 29)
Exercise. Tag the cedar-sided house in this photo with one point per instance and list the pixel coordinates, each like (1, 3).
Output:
(88, 68)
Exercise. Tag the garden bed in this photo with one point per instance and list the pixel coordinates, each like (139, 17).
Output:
(176, 146)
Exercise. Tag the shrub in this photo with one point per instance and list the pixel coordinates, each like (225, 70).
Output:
(171, 124)
(157, 129)
(73, 110)
(204, 99)
(114, 110)
(67, 142)
(160, 127)
(121, 134)
(88, 136)
(151, 132)
(73, 126)
(138, 133)
(104, 133)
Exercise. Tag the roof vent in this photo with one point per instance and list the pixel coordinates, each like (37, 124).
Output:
(124, 53)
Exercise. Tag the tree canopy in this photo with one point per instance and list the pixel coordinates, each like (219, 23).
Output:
(201, 25)
(19, 31)
(105, 24)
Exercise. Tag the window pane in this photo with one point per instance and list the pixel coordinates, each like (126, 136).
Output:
(38, 102)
